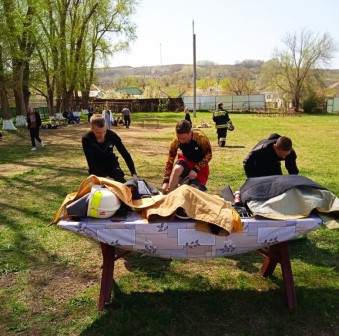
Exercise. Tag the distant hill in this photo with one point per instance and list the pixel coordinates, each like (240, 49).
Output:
(125, 71)
(109, 76)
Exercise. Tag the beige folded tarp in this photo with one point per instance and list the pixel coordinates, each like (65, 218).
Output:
(200, 206)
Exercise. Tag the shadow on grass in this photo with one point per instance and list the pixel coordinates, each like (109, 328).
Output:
(151, 267)
(214, 312)
(303, 249)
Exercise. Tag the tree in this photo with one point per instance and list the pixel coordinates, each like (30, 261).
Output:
(17, 26)
(240, 83)
(71, 36)
(305, 53)
(109, 31)
(6, 113)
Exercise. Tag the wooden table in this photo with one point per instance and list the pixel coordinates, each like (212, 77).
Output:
(180, 239)
(275, 254)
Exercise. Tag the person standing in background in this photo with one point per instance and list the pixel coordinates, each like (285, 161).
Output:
(126, 114)
(34, 124)
(90, 112)
(108, 116)
(222, 121)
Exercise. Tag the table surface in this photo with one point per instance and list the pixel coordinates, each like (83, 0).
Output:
(181, 239)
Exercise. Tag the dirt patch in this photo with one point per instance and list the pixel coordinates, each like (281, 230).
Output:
(70, 134)
(8, 169)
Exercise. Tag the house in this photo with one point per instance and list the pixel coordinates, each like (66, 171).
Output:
(130, 92)
(96, 92)
(333, 90)
(272, 99)
(332, 105)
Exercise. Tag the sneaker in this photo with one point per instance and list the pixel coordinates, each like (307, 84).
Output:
(42, 144)
(33, 149)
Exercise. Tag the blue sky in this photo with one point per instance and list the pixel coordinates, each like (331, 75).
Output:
(226, 31)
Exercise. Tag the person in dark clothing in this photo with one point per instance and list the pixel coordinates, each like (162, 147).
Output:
(90, 110)
(187, 115)
(66, 114)
(34, 124)
(266, 156)
(222, 121)
(126, 114)
(98, 145)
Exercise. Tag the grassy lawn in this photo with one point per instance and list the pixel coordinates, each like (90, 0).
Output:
(50, 278)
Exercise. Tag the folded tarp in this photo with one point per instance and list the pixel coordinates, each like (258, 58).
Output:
(287, 197)
(198, 205)
(203, 207)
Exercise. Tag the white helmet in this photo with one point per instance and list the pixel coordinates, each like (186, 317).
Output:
(102, 203)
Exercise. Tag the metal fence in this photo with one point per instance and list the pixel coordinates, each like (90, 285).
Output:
(232, 103)
(42, 110)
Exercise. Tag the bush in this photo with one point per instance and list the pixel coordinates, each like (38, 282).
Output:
(312, 104)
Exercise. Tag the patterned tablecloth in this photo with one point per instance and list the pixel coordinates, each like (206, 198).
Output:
(181, 239)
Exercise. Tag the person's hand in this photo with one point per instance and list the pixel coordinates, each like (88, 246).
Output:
(165, 187)
(193, 175)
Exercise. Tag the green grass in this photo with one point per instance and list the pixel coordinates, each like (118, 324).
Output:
(50, 278)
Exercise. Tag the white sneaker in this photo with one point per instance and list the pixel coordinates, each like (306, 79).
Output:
(33, 149)
(42, 144)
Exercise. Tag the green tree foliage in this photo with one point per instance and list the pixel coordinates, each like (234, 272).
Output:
(241, 82)
(304, 54)
(54, 45)
(17, 25)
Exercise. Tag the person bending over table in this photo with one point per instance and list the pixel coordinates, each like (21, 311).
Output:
(266, 156)
(196, 152)
(98, 145)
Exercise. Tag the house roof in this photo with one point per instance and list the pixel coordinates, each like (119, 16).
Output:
(134, 91)
(95, 94)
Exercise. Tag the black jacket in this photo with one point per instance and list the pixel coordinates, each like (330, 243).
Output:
(188, 118)
(37, 120)
(100, 157)
(266, 187)
(263, 160)
(221, 118)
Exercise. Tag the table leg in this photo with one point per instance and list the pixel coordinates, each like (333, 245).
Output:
(108, 256)
(279, 253)
(287, 274)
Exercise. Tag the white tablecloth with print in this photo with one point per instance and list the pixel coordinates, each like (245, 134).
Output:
(181, 239)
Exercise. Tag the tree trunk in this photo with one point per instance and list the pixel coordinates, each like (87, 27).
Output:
(6, 113)
(49, 100)
(21, 111)
(296, 100)
(85, 99)
(25, 85)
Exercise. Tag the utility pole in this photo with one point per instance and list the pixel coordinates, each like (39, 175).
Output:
(194, 76)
